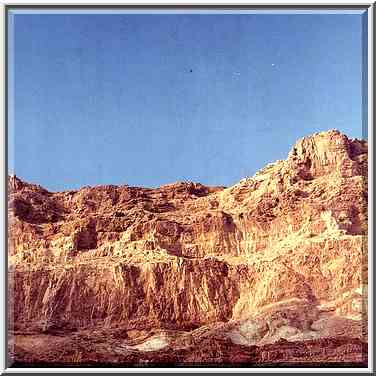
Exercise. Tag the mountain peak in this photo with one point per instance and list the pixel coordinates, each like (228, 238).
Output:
(276, 256)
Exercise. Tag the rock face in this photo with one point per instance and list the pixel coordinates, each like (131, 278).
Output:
(167, 275)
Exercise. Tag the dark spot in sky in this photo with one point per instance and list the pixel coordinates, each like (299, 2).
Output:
(191, 70)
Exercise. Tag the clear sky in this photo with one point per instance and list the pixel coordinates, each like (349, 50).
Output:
(149, 99)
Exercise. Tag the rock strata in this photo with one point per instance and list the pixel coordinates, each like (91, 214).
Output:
(187, 274)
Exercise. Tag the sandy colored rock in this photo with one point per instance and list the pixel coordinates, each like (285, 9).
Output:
(280, 256)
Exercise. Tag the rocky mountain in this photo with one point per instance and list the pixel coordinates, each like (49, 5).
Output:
(272, 270)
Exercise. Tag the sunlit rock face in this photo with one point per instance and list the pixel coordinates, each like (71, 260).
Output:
(150, 275)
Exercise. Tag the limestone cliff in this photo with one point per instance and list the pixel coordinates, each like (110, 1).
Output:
(279, 256)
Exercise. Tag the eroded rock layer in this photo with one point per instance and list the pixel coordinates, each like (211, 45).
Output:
(280, 256)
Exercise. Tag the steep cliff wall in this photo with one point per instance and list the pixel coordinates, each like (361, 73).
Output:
(280, 251)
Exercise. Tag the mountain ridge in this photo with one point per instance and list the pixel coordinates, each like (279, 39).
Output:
(277, 256)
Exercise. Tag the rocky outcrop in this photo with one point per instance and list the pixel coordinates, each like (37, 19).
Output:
(279, 256)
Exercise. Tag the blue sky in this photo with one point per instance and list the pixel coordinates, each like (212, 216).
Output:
(149, 99)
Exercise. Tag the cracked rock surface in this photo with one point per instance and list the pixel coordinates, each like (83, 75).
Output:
(272, 270)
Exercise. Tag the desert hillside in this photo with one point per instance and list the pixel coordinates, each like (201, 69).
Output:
(272, 270)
